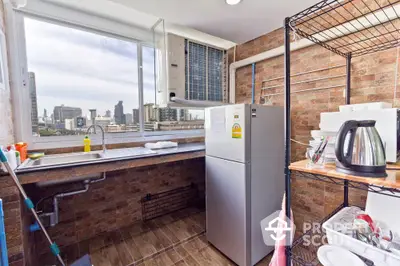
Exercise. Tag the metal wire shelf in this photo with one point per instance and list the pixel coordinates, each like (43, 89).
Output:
(348, 28)
(355, 27)
(391, 192)
(158, 204)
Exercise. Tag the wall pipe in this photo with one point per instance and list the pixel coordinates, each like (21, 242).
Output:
(66, 194)
(384, 15)
(303, 43)
(54, 216)
(253, 81)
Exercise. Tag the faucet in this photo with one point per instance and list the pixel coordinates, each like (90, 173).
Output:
(102, 133)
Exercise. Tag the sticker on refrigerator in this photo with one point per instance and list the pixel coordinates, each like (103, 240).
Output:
(236, 131)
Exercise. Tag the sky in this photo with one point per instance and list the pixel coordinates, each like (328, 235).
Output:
(83, 69)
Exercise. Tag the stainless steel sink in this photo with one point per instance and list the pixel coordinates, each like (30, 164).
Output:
(51, 161)
(63, 159)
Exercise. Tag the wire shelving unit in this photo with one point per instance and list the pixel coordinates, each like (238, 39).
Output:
(349, 28)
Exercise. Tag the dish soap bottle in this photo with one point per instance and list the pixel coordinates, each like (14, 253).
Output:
(86, 144)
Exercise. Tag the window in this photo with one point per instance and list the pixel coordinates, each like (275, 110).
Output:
(204, 72)
(162, 118)
(78, 78)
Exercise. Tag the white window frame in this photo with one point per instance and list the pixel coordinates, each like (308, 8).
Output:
(19, 86)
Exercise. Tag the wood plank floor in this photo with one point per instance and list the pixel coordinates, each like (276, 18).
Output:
(175, 239)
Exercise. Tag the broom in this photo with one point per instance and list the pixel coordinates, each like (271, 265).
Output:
(84, 261)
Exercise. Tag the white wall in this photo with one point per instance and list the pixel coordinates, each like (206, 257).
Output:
(83, 17)
(6, 122)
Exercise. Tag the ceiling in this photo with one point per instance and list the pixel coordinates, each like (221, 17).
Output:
(240, 23)
(132, 16)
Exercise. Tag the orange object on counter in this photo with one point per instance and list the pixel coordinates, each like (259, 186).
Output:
(22, 147)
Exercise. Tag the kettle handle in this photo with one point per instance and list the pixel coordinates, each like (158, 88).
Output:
(347, 126)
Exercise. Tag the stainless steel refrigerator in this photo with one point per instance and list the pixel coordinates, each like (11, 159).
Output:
(244, 177)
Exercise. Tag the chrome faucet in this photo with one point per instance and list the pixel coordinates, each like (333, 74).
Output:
(102, 133)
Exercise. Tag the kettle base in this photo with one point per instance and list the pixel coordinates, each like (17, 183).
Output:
(364, 171)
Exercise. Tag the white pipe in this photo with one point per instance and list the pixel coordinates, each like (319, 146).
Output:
(183, 103)
(303, 43)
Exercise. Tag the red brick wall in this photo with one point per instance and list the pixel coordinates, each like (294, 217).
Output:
(12, 205)
(373, 78)
(114, 203)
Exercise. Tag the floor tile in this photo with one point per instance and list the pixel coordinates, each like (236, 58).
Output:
(171, 240)
(122, 249)
(133, 249)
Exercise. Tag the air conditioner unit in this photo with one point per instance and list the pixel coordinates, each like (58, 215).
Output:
(190, 74)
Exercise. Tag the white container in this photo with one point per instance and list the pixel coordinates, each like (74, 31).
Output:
(385, 208)
(378, 256)
(364, 106)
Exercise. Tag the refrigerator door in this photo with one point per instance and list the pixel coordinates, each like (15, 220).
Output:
(267, 176)
(227, 132)
(227, 218)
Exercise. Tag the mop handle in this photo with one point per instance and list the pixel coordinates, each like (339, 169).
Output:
(29, 204)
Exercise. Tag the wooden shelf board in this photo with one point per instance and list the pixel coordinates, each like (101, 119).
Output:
(391, 181)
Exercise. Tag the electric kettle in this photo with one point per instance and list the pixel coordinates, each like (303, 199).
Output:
(359, 149)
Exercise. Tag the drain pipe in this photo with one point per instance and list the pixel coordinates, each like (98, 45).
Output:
(54, 216)
(55, 221)
(86, 184)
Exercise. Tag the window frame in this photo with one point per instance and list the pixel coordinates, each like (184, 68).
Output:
(19, 85)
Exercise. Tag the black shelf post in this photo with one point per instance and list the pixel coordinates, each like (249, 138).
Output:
(348, 91)
(287, 132)
(348, 77)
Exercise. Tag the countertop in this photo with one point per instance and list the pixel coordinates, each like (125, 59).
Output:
(64, 172)
(391, 181)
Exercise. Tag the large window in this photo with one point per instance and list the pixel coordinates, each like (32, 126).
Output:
(78, 78)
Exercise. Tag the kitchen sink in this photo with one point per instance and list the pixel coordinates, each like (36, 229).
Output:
(63, 159)
(59, 160)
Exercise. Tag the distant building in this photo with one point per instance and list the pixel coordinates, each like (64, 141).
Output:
(34, 108)
(45, 113)
(65, 112)
(128, 119)
(80, 122)
(135, 113)
(182, 125)
(184, 115)
(103, 121)
(108, 113)
(150, 113)
(167, 114)
(119, 113)
(113, 128)
(69, 124)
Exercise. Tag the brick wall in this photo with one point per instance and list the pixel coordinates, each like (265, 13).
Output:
(17, 235)
(373, 79)
(113, 203)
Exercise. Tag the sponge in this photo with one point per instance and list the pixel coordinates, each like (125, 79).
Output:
(35, 155)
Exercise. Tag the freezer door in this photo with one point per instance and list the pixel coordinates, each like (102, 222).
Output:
(227, 210)
(227, 130)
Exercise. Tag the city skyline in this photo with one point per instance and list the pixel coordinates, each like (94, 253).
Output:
(78, 71)
(70, 79)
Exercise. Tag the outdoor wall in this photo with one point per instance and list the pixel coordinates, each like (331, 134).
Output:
(114, 203)
(6, 124)
(373, 79)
